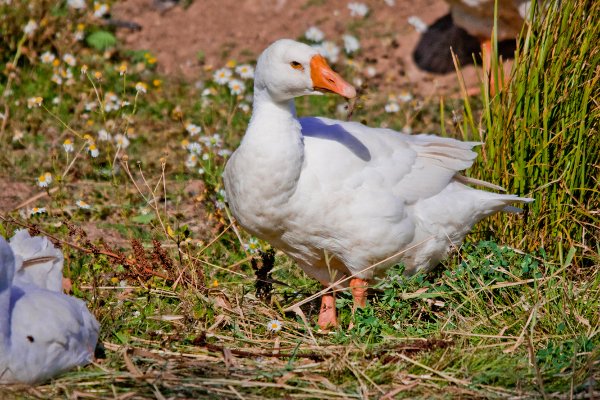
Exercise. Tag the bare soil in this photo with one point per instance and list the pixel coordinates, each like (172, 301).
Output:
(240, 29)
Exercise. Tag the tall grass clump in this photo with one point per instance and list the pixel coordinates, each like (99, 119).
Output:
(540, 131)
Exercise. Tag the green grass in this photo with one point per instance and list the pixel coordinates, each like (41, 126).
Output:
(542, 136)
(184, 318)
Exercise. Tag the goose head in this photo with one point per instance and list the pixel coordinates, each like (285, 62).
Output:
(288, 69)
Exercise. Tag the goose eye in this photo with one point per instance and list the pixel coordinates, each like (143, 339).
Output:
(297, 65)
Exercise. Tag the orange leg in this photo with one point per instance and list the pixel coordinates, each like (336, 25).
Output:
(327, 317)
(359, 292)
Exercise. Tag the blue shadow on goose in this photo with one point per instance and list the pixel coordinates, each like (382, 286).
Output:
(317, 128)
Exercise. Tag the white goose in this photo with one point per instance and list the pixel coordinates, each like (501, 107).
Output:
(43, 332)
(316, 186)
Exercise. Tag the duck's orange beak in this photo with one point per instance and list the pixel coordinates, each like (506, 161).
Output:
(325, 79)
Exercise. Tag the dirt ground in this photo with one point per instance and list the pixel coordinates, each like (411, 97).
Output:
(241, 29)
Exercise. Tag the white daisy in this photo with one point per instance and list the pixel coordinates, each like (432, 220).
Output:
(141, 87)
(121, 140)
(274, 325)
(392, 107)
(76, 4)
(351, 44)
(45, 179)
(47, 57)
(222, 76)
(314, 34)
(100, 9)
(93, 150)
(329, 50)
(194, 147)
(69, 59)
(68, 145)
(191, 161)
(103, 135)
(193, 129)
(82, 204)
(245, 71)
(236, 87)
(30, 27)
(358, 9)
(417, 23)
(405, 96)
(34, 102)
(37, 210)
(245, 107)
(56, 78)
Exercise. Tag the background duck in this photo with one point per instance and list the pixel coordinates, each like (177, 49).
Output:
(467, 29)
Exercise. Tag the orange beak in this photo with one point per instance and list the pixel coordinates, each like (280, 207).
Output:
(324, 79)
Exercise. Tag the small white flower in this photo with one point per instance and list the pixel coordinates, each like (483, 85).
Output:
(111, 96)
(222, 76)
(47, 57)
(392, 107)
(17, 135)
(390, 3)
(103, 135)
(56, 100)
(69, 59)
(236, 87)
(93, 150)
(30, 27)
(191, 161)
(37, 210)
(314, 34)
(405, 96)
(79, 35)
(253, 246)
(274, 325)
(370, 71)
(208, 92)
(45, 179)
(82, 204)
(358, 9)
(245, 107)
(68, 145)
(417, 23)
(224, 152)
(351, 44)
(329, 50)
(76, 4)
(90, 106)
(201, 171)
(56, 78)
(100, 9)
(245, 71)
(121, 141)
(34, 102)
(194, 147)
(212, 141)
(141, 87)
(193, 129)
